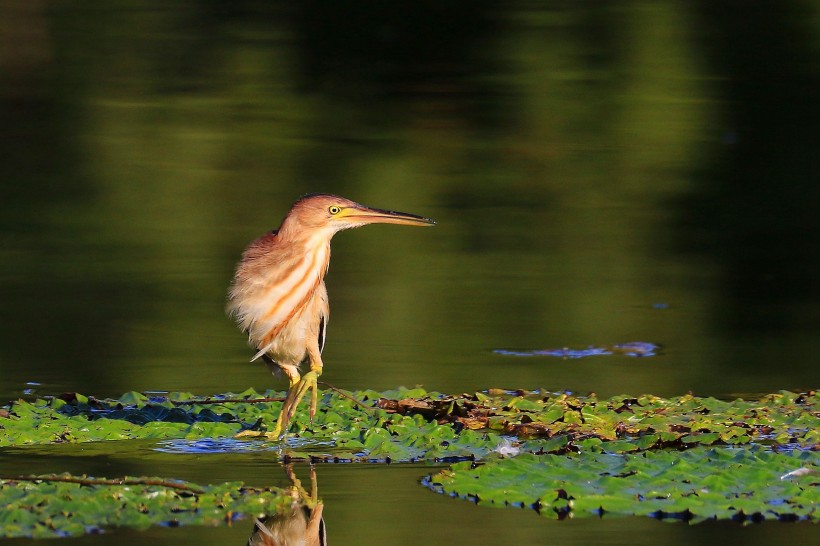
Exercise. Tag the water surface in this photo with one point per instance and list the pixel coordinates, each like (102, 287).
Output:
(600, 174)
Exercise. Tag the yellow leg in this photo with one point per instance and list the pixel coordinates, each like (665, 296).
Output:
(307, 383)
(284, 418)
(297, 390)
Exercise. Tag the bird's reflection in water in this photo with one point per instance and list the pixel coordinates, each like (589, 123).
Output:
(301, 525)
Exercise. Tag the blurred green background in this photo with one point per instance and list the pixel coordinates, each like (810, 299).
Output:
(601, 172)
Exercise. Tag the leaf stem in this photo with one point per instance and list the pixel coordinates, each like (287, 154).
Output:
(340, 392)
(84, 480)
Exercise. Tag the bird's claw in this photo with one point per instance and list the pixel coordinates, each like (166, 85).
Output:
(249, 434)
(308, 381)
(295, 394)
(272, 435)
(297, 391)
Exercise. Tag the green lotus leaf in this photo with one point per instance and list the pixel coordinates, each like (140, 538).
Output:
(412, 424)
(564, 455)
(703, 483)
(63, 505)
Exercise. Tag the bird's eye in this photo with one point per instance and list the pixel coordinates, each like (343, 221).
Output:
(334, 210)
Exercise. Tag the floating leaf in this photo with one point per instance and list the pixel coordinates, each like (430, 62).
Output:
(63, 505)
(716, 483)
(576, 455)
(415, 424)
(632, 348)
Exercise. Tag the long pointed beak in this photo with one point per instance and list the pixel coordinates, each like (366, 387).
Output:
(367, 215)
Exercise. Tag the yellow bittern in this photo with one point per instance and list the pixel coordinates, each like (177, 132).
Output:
(278, 294)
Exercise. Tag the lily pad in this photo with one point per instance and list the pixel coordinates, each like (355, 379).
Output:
(686, 457)
(63, 505)
(783, 419)
(702, 483)
(411, 425)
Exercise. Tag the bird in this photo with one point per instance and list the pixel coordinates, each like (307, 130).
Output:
(278, 294)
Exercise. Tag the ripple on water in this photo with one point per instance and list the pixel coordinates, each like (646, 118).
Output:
(233, 445)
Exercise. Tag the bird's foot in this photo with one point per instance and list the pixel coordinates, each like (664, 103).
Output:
(275, 434)
(308, 382)
(249, 434)
(297, 391)
(272, 435)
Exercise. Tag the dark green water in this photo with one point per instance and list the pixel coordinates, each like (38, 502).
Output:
(600, 172)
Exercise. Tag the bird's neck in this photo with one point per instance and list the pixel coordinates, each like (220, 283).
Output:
(312, 244)
(295, 231)
(317, 253)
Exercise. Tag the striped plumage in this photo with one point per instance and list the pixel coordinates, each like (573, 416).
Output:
(278, 294)
(279, 297)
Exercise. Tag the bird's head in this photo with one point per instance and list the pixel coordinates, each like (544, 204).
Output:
(330, 213)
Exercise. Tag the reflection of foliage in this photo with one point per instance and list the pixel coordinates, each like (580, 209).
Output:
(721, 483)
(48, 506)
(550, 139)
